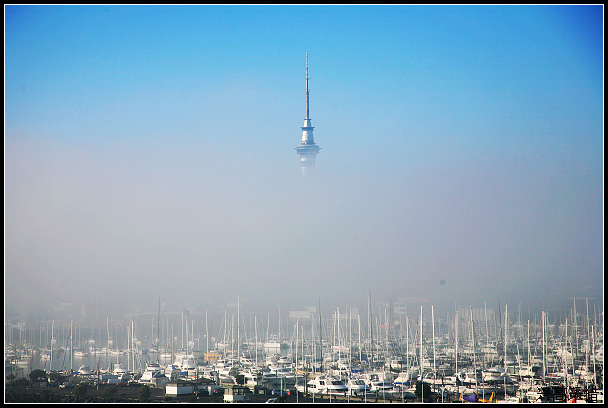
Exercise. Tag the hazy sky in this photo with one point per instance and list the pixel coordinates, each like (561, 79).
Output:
(149, 151)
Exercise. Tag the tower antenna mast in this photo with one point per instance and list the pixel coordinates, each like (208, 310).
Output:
(307, 115)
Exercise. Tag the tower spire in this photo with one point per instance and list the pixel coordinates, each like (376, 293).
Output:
(307, 115)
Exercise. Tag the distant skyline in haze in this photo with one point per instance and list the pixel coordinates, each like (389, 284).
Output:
(149, 152)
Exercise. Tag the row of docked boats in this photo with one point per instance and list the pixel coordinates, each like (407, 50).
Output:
(517, 378)
(518, 361)
(338, 375)
(514, 379)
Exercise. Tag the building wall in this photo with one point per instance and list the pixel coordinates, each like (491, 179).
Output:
(175, 389)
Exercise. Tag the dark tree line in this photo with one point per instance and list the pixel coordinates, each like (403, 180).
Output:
(46, 396)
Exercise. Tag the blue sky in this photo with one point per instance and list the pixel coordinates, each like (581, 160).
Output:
(462, 143)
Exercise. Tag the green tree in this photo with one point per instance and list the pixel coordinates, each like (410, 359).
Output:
(46, 395)
(38, 375)
(419, 386)
(21, 382)
(144, 393)
(10, 395)
(168, 398)
(109, 392)
(240, 379)
(11, 379)
(80, 390)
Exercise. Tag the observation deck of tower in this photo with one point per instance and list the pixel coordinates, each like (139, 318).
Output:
(307, 149)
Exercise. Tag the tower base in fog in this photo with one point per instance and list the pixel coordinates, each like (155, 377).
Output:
(308, 153)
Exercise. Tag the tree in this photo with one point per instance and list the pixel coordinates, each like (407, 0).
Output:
(144, 393)
(109, 392)
(425, 386)
(80, 390)
(38, 375)
(240, 379)
(20, 382)
(11, 379)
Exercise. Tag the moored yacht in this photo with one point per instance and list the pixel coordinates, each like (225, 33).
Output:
(284, 361)
(247, 361)
(120, 369)
(153, 367)
(326, 385)
(405, 378)
(153, 375)
(276, 371)
(493, 374)
(357, 387)
(172, 371)
(380, 382)
(85, 370)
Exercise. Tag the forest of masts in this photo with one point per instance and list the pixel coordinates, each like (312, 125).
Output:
(479, 337)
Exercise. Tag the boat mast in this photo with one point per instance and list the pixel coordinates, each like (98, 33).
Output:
(158, 333)
(133, 343)
(256, 339)
(71, 346)
(593, 355)
(473, 343)
(506, 327)
(564, 356)
(371, 333)
(544, 346)
(296, 346)
(421, 359)
(456, 349)
(529, 355)
(238, 330)
(320, 334)
(359, 331)
(407, 348)
(52, 330)
(207, 331)
(434, 358)
(485, 313)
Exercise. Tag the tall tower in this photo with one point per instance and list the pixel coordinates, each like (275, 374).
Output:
(307, 149)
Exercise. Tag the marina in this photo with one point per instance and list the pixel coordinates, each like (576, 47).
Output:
(462, 355)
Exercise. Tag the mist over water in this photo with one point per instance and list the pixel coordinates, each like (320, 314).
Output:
(126, 224)
(461, 158)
